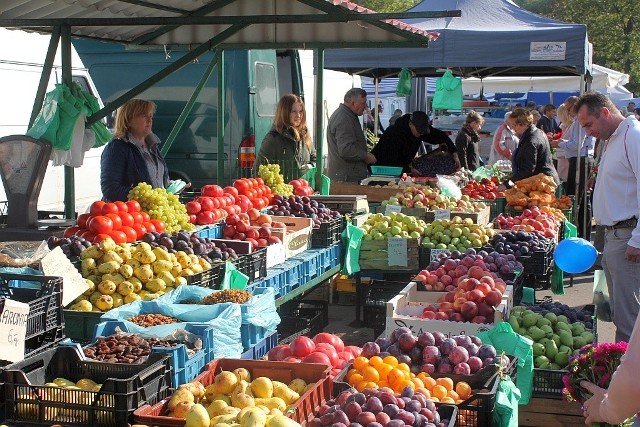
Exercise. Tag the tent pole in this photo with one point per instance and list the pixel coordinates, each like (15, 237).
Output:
(221, 119)
(318, 119)
(376, 82)
(67, 80)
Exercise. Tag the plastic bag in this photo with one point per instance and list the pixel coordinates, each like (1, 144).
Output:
(504, 339)
(601, 296)
(404, 83)
(310, 176)
(351, 240)
(260, 310)
(448, 187)
(482, 172)
(506, 409)
(233, 279)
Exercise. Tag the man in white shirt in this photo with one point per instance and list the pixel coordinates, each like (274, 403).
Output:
(616, 204)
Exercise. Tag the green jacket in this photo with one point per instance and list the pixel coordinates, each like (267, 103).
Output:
(283, 149)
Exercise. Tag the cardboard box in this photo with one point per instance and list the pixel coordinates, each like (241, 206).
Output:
(412, 300)
(482, 217)
(296, 236)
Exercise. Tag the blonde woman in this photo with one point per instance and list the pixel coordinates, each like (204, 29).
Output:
(566, 122)
(504, 143)
(289, 142)
(133, 155)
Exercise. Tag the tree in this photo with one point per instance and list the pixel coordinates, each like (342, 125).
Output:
(388, 5)
(612, 30)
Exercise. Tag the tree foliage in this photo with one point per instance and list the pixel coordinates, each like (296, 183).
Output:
(612, 26)
(388, 5)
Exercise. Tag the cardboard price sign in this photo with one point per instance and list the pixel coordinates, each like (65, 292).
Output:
(442, 214)
(392, 208)
(13, 329)
(57, 264)
(435, 252)
(397, 251)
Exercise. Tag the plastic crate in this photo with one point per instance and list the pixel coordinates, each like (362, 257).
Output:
(253, 265)
(336, 255)
(538, 262)
(516, 280)
(43, 294)
(213, 231)
(184, 368)
(379, 292)
(478, 409)
(261, 349)
(309, 263)
(125, 387)
(328, 234)
(386, 170)
(293, 274)
(346, 298)
(375, 316)
(211, 278)
(303, 318)
(496, 206)
(80, 325)
(276, 279)
(285, 372)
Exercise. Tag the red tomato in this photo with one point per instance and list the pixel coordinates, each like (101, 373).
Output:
(302, 346)
(118, 236)
(159, 225)
(133, 206)
(88, 235)
(211, 190)
(254, 182)
(230, 210)
(222, 201)
(140, 230)
(303, 182)
(205, 217)
(145, 216)
(126, 218)
(192, 219)
(137, 217)
(83, 219)
(100, 237)
(296, 184)
(231, 190)
(96, 208)
(108, 208)
(70, 231)
(130, 232)
(193, 207)
(101, 224)
(334, 340)
(117, 221)
(206, 204)
(150, 227)
(122, 206)
(260, 181)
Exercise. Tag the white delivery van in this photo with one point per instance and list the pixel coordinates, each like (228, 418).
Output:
(21, 60)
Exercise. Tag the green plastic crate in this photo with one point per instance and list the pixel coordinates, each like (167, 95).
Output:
(80, 325)
(386, 170)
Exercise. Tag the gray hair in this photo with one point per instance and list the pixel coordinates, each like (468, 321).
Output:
(355, 94)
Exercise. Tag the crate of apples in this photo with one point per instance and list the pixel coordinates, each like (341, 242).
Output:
(259, 234)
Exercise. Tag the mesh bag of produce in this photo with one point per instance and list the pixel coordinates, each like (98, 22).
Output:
(435, 163)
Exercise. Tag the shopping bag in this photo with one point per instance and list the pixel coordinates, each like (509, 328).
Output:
(404, 83)
(233, 279)
(351, 240)
(601, 296)
(310, 176)
(506, 409)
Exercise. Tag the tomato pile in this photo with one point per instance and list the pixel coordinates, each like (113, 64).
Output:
(484, 189)
(124, 222)
(301, 187)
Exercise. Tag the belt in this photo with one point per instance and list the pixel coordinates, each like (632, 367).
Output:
(627, 223)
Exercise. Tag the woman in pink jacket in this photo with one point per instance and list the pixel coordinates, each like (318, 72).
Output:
(504, 142)
(620, 401)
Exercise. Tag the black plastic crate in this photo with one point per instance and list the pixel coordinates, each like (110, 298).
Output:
(375, 316)
(328, 234)
(379, 292)
(253, 265)
(478, 409)
(211, 278)
(45, 322)
(516, 280)
(302, 318)
(538, 262)
(125, 387)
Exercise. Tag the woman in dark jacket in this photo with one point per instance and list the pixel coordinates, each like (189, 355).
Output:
(467, 141)
(533, 154)
(133, 156)
(289, 143)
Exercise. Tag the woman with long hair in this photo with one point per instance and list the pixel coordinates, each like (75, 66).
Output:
(289, 141)
(467, 141)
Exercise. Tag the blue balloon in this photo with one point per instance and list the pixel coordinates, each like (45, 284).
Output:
(574, 255)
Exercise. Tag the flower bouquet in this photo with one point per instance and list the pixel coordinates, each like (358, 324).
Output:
(593, 363)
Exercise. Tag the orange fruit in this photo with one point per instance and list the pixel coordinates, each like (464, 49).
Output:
(395, 376)
(384, 370)
(355, 379)
(452, 394)
(447, 399)
(406, 383)
(426, 393)
(429, 383)
(439, 392)
(445, 382)
(370, 374)
(463, 389)
(360, 363)
(371, 384)
(435, 399)
(391, 360)
(351, 372)
(404, 367)
(417, 382)
(361, 385)
(375, 361)
(423, 375)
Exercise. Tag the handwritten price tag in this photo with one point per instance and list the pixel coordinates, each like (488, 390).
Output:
(442, 214)
(13, 329)
(397, 251)
(435, 253)
(392, 208)
(56, 263)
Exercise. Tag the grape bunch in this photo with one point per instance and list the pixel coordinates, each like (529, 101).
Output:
(272, 177)
(162, 205)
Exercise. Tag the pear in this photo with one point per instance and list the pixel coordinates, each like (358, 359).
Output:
(197, 417)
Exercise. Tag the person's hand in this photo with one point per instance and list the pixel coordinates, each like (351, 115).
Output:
(632, 254)
(554, 144)
(456, 159)
(371, 159)
(306, 167)
(590, 407)
(591, 182)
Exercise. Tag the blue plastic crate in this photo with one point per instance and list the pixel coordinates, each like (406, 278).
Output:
(183, 367)
(325, 259)
(213, 231)
(336, 255)
(292, 273)
(276, 279)
(308, 266)
(261, 349)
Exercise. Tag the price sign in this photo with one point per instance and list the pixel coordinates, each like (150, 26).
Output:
(392, 208)
(442, 214)
(13, 329)
(435, 253)
(397, 251)
(56, 263)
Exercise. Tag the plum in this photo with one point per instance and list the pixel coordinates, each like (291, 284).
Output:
(374, 405)
(340, 417)
(395, 423)
(425, 339)
(386, 398)
(370, 349)
(462, 340)
(431, 354)
(406, 342)
(407, 392)
(430, 405)
(486, 351)
(413, 406)
(404, 358)
(420, 398)
(415, 354)
(472, 349)
(382, 418)
(475, 364)
(421, 420)
(391, 409)
(406, 416)
(429, 368)
(315, 423)
(444, 368)
(352, 410)
(459, 355)
(397, 332)
(462, 368)
(439, 337)
(447, 346)
(427, 413)
(375, 424)
(365, 418)
(383, 343)
(394, 350)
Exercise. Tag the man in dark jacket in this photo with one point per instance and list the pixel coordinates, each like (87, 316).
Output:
(400, 143)
(548, 122)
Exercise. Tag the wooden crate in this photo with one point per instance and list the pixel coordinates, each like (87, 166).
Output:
(481, 218)
(550, 413)
(374, 194)
(373, 255)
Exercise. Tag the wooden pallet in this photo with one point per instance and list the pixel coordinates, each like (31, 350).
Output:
(550, 413)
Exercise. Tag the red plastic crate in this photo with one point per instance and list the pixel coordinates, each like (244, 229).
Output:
(301, 411)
